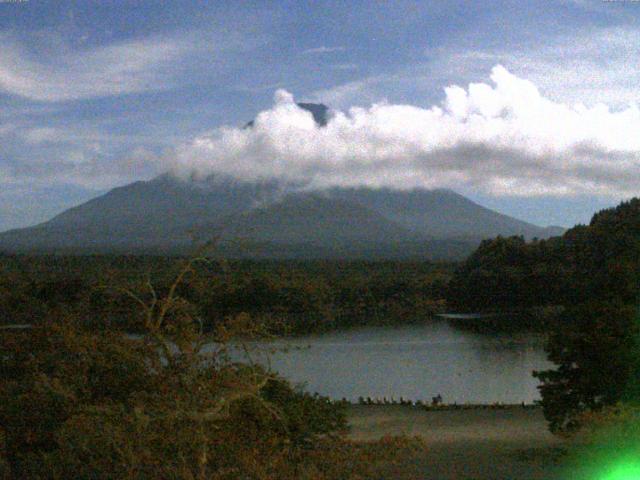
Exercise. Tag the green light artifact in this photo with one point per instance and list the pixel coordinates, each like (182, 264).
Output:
(625, 470)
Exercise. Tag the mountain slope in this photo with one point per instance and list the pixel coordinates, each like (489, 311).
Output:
(159, 212)
(162, 214)
(273, 218)
(441, 213)
(316, 219)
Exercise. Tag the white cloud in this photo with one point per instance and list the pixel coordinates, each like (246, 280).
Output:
(131, 66)
(588, 67)
(322, 49)
(506, 138)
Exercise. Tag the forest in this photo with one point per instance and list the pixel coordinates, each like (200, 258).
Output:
(592, 262)
(293, 297)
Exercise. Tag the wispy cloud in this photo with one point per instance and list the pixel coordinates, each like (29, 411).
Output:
(361, 91)
(322, 49)
(86, 166)
(503, 138)
(83, 155)
(41, 135)
(23, 204)
(126, 67)
(131, 66)
(344, 66)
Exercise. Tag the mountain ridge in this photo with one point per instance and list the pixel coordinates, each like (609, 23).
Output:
(167, 213)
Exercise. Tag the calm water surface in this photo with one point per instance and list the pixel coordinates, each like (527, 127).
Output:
(415, 362)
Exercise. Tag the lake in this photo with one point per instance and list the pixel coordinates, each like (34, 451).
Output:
(416, 363)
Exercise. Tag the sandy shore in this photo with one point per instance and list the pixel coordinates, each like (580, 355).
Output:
(478, 444)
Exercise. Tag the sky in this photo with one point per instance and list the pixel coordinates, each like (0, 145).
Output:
(530, 108)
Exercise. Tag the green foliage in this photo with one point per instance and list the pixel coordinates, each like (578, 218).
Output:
(51, 373)
(509, 274)
(305, 417)
(598, 261)
(595, 349)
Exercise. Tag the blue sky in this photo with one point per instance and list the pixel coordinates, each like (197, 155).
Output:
(96, 94)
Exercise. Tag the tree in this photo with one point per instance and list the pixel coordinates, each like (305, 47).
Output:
(595, 347)
(77, 402)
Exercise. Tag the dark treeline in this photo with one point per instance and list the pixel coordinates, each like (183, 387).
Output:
(292, 297)
(589, 262)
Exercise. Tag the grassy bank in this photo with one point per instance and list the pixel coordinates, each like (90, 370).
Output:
(508, 443)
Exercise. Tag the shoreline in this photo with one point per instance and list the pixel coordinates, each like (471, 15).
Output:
(429, 407)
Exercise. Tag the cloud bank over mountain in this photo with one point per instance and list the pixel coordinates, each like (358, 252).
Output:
(502, 138)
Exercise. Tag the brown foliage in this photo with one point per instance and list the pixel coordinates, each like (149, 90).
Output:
(79, 403)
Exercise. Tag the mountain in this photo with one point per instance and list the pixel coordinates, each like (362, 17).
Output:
(442, 213)
(272, 219)
(156, 213)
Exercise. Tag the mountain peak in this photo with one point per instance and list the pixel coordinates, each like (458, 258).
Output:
(319, 111)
